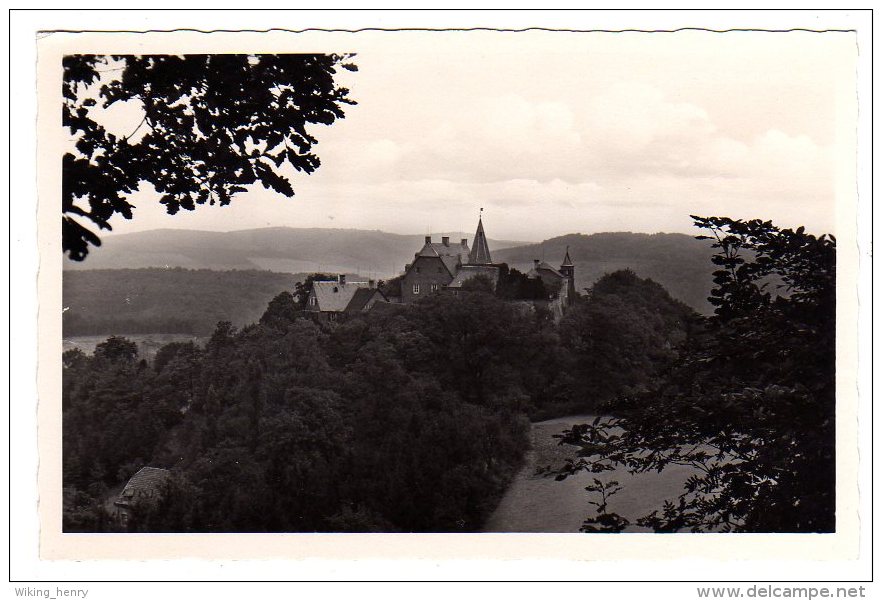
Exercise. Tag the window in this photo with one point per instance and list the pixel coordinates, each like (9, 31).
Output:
(313, 301)
(416, 288)
(434, 287)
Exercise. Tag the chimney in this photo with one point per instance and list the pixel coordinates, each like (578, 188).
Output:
(428, 239)
(464, 242)
(536, 264)
(372, 284)
(445, 240)
(342, 279)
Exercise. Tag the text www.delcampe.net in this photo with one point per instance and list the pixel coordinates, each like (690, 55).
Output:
(781, 592)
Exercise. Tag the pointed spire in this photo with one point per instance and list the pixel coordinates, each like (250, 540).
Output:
(567, 262)
(480, 254)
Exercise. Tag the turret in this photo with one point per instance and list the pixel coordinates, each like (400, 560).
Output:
(569, 271)
(567, 268)
(480, 254)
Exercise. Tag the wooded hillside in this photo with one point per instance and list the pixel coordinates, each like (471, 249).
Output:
(179, 301)
(678, 262)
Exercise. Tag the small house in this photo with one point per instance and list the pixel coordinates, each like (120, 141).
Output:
(144, 488)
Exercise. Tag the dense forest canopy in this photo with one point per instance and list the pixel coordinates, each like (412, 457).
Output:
(415, 417)
(407, 420)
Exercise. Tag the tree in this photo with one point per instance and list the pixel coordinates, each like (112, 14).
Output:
(514, 285)
(281, 311)
(478, 283)
(212, 125)
(117, 348)
(621, 336)
(751, 404)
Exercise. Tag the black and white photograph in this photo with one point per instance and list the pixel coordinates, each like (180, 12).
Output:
(465, 282)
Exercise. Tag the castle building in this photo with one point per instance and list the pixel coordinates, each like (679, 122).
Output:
(439, 266)
(560, 280)
(444, 266)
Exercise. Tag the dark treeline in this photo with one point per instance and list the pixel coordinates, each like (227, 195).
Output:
(409, 418)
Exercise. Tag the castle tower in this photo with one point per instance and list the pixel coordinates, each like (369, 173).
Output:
(480, 254)
(569, 270)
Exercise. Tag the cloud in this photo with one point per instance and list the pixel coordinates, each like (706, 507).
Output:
(620, 134)
(591, 142)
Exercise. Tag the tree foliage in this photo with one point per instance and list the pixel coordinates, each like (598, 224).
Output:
(388, 422)
(412, 419)
(212, 126)
(619, 339)
(750, 405)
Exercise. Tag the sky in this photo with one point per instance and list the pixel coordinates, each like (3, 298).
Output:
(554, 133)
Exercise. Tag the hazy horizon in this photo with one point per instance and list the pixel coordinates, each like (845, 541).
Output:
(554, 132)
(435, 235)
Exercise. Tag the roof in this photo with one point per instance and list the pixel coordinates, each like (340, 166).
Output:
(467, 272)
(428, 250)
(567, 262)
(452, 255)
(143, 485)
(543, 266)
(334, 296)
(480, 254)
(452, 263)
(361, 298)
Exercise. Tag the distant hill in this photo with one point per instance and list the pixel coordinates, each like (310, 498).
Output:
(678, 262)
(280, 249)
(173, 301)
(191, 301)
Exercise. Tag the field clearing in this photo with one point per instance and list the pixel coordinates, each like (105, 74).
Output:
(536, 503)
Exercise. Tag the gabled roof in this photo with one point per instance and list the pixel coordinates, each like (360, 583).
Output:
(451, 253)
(334, 296)
(146, 484)
(480, 254)
(428, 250)
(361, 298)
(451, 261)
